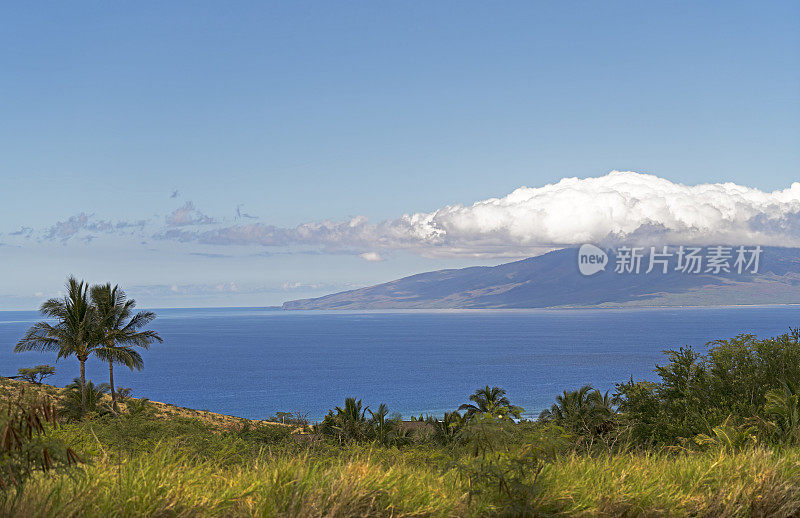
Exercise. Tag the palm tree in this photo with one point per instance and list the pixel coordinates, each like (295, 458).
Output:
(349, 422)
(446, 429)
(120, 331)
(383, 427)
(71, 405)
(493, 401)
(585, 410)
(74, 333)
(353, 410)
(784, 406)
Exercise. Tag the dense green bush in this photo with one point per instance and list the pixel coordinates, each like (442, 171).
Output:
(350, 423)
(743, 383)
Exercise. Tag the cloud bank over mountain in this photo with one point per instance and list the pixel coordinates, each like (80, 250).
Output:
(617, 207)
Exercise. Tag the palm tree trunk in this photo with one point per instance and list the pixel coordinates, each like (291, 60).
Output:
(111, 382)
(83, 388)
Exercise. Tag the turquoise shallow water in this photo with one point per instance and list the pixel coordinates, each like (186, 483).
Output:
(253, 362)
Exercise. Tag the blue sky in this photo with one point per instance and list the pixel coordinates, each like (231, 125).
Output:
(308, 112)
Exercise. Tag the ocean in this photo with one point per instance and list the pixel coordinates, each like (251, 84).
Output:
(253, 362)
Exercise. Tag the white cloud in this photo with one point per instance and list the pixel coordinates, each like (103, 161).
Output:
(371, 256)
(80, 225)
(188, 215)
(620, 206)
(616, 207)
(227, 287)
(23, 231)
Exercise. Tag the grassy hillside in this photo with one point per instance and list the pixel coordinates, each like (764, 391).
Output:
(12, 389)
(183, 467)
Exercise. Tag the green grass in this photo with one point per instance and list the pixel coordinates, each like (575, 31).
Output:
(755, 482)
(151, 464)
(357, 482)
(168, 483)
(141, 466)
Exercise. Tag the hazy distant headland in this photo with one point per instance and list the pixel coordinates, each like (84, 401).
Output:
(553, 280)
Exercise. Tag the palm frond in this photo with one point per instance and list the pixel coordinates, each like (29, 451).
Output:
(40, 337)
(121, 356)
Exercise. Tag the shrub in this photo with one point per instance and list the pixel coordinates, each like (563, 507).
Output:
(296, 419)
(495, 468)
(743, 380)
(24, 444)
(36, 374)
(123, 394)
(71, 404)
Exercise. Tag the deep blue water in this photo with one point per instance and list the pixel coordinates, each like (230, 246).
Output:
(253, 362)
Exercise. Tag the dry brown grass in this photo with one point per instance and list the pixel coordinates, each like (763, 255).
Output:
(12, 388)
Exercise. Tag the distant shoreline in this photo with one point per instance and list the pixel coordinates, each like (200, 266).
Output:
(549, 308)
(279, 309)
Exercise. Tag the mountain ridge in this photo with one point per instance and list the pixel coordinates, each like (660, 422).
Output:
(552, 280)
